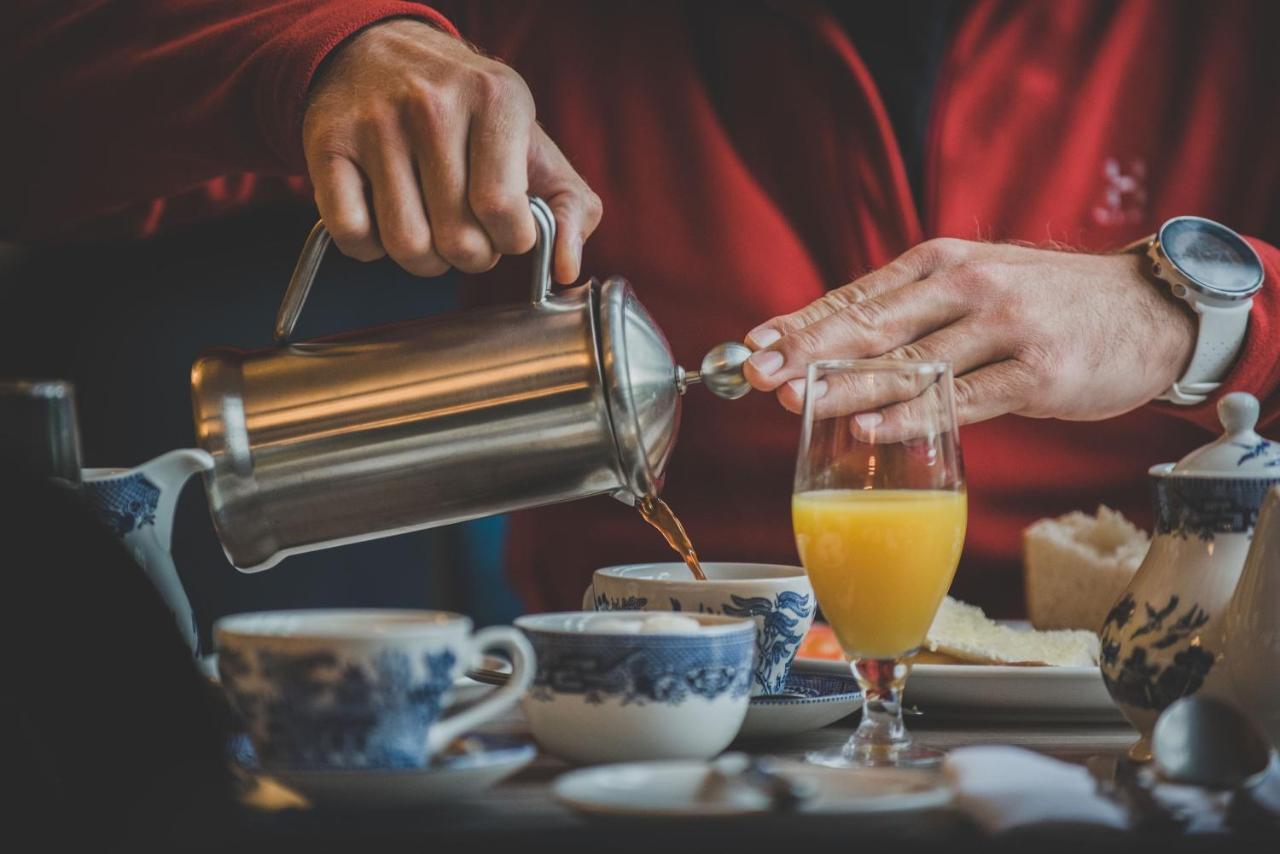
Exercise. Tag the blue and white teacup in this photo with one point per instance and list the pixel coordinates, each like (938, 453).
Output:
(779, 598)
(358, 688)
(610, 688)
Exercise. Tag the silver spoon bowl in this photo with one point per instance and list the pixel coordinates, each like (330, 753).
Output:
(1206, 742)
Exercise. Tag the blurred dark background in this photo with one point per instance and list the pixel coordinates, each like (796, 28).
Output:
(125, 320)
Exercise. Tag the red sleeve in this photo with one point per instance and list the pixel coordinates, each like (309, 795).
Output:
(118, 103)
(1257, 368)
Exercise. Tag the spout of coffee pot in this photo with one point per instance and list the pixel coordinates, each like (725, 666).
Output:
(720, 372)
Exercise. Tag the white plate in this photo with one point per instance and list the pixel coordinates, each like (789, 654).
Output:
(1003, 691)
(684, 789)
(821, 699)
(485, 761)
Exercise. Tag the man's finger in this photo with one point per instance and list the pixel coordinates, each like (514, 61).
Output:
(986, 393)
(397, 203)
(441, 149)
(861, 330)
(576, 208)
(964, 345)
(913, 265)
(340, 197)
(498, 185)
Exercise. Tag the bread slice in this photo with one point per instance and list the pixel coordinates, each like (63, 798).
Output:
(1076, 567)
(963, 632)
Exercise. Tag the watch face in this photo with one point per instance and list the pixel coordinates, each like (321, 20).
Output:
(1213, 256)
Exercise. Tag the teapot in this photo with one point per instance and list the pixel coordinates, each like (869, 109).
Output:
(443, 419)
(138, 504)
(1166, 636)
(1251, 643)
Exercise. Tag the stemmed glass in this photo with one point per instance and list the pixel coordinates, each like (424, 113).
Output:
(879, 513)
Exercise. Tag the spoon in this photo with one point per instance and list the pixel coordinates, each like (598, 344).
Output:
(1208, 743)
(785, 793)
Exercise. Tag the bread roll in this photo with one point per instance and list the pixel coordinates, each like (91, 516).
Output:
(1076, 567)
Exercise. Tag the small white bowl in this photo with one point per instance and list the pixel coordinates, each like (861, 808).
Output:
(601, 695)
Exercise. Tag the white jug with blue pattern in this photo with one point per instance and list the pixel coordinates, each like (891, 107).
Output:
(1166, 636)
(138, 505)
(1252, 626)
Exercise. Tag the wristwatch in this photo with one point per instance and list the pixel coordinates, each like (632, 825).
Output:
(1217, 273)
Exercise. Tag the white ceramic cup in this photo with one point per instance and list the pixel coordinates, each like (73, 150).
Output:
(358, 688)
(779, 598)
(606, 696)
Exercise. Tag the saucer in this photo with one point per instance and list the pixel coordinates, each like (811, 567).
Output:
(811, 701)
(684, 789)
(472, 764)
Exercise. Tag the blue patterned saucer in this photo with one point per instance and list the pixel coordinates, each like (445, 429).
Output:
(810, 701)
(472, 764)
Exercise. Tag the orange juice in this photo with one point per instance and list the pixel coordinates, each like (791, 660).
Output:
(880, 561)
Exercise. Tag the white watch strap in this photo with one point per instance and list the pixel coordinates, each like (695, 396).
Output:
(1218, 341)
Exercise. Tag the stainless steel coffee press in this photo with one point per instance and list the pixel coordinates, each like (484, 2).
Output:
(439, 420)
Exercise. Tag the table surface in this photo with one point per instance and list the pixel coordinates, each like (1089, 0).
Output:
(522, 813)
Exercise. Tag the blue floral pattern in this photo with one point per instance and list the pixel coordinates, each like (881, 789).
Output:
(124, 503)
(642, 669)
(1204, 507)
(324, 712)
(624, 603)
(1143, 683)
(782, 624)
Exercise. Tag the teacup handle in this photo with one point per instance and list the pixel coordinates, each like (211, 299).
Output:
(589, 597)
(504, 639)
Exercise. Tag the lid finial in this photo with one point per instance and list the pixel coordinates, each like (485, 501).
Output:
(1238, 412)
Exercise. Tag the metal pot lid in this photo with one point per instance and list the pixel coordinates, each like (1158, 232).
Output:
(1239, 452)
(642, 386)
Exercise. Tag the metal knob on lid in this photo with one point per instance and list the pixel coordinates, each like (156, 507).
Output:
(721, 371)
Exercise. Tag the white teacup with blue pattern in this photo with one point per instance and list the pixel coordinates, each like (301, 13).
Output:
(614, 688)
(358, 688)
(778, 597)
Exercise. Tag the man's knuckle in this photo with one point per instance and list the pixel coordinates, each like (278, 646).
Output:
(963, 392)
(804, 342)
(1037, 359)
(940, 251)
(495, 205)
(406, 244)
(914, 352)
(432, 110)
(347, 228)
(866, 318)
(496, 85)
(465, 248)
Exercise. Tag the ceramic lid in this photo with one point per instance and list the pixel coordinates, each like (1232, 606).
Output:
(1239, 452)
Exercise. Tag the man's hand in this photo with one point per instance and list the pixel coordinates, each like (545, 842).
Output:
(1030, 331)
(444, 143)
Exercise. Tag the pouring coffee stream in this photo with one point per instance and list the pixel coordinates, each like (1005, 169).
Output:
(657, 513)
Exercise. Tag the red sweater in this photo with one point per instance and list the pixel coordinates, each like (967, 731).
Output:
(746, 164)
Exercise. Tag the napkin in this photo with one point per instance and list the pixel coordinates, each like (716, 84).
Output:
(1006, 787)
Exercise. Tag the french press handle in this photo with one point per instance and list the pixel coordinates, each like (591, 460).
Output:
(304, 273)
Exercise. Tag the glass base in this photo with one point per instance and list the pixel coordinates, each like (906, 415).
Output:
(877, 756)
(881, 740)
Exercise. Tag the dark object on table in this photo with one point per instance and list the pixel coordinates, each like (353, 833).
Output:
(112, 730)
(38, 424)
(1207, 742)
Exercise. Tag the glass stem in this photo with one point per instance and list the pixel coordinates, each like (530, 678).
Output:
(881, 680)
